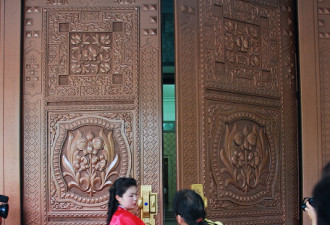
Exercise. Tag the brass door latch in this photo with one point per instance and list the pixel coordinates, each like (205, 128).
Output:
(200, 190)
(148, 204)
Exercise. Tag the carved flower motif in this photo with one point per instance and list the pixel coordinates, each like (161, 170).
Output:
(97, 143)
(245, 157)
(80, 163)
(238, 158)
(90, 161)
(75, 39)
(254, 160)
(101, 163)
(105, 39)
(76, 68)
(104, 67)
(89, 54)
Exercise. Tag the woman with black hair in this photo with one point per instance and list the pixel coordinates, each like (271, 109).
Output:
(189, 208)
(318, 207)
(123, 197)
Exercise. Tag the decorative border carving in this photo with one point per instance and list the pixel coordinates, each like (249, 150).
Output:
(324, 56)
(189, 105)
(32, 159)
(150, 116)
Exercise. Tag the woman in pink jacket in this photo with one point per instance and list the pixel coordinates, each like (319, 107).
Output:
(123, 197)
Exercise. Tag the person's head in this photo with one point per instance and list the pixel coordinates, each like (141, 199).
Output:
(123, 192)
(326, 170)
(321, 195)
(189, 208)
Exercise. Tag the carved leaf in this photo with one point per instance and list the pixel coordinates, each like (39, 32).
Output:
(113, 165)
(229, 139)
(96, 180)
(228, 166)
(67, 165)
(72, 145)
(109, 145)
(72, 184)
(82, 181)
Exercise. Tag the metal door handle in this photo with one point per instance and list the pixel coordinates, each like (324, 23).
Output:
(200, 190)
(148, 204)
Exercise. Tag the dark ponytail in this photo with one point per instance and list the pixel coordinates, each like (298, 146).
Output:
(190, 206)
(119, 188)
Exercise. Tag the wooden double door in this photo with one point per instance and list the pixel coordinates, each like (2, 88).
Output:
(92, 106)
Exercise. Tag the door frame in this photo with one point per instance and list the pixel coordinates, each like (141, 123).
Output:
(310, 97)
(10, 72)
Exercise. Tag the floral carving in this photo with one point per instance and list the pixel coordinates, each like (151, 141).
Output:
(245, 157)
(90, 161)
(90, 53)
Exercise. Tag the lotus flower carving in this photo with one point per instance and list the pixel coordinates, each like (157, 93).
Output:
(90, 161)
(245, 157)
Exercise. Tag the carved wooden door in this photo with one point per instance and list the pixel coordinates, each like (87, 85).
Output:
(237, 112)
(92, 105)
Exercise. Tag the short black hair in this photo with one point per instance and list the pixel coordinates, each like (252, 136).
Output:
(190, 206)
(326, 170)
(321, 194)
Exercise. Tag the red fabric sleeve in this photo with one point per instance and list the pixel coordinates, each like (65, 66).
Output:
(123, 217)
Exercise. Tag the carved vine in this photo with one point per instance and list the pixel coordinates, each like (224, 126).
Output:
(245, 158)
(90, 161)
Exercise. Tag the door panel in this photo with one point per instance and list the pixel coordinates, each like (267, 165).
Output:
(92, 106)
(237, 112)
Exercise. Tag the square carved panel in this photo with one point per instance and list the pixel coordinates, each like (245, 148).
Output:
(240, 47)
(91, 54)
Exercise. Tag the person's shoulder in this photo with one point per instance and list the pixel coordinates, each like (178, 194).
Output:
(124, 217)
(132, 219)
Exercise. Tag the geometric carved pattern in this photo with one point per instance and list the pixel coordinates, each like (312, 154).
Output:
(32, 158)
(150, 115)
(188, 104)
(94, 61)
(241, 48)
(57, 2)
(33, 73)
(325, 98)
(90, 53)
(89, 153)
(324, 46)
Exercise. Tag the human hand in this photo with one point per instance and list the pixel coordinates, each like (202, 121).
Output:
(311, 212)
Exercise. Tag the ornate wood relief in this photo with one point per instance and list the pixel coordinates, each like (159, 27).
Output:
(245, 58)
(246, 147)
(91, 53)
(243, 157)
(246, 105)
(88, 154)
(91, 82)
